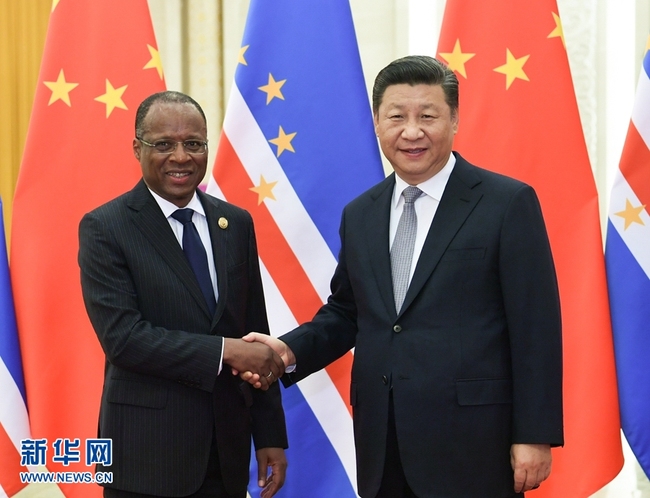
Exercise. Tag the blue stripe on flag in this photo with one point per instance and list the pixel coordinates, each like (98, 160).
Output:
(646, 63)
(9, 347)
(629, 291)
(310, 453)
(313, 46)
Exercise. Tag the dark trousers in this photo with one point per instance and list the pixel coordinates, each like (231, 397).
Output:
(212, 486)
(393, 481)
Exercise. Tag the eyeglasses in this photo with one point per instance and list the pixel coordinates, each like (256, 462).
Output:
(167, 146)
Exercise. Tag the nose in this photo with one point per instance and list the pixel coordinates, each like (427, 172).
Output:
(412, 130)
(179, 154)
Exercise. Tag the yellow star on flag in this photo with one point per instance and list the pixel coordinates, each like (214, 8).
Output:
(155, 62)
(241, 59)
(513, 68)
(272, 89)
(264, 190)
(54, 4)
(558, 31)
(60, 89)
(456, 60)
(631, 214)
(112, 98)
(283, 141)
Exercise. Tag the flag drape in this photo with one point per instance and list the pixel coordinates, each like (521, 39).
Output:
(14, 421)
(100, 61)
(297, 145)
(628, 273)
(519, 116)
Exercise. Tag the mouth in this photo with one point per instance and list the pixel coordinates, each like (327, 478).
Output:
(179, 174)
(413, 151)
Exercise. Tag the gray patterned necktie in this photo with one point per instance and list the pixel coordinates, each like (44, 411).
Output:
(401, 253)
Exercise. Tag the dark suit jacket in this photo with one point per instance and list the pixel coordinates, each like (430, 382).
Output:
(162, 398)
(474, 357)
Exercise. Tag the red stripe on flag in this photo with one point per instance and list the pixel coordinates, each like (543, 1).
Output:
(10, 467)
(278, 257)
(635, 165)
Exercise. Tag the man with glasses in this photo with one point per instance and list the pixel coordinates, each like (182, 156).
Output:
(171, 282)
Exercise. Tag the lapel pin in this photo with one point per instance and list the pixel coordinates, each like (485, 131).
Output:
(223, 223)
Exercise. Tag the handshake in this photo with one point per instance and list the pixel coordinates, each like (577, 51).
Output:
(258, 359)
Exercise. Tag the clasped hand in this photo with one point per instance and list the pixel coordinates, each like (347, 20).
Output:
(278, 347)
(255, 359)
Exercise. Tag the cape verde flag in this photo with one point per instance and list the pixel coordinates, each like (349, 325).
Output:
(297, 145)
(627, 255)
(14, 422)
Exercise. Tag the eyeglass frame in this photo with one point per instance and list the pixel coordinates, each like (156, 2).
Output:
(153, 146)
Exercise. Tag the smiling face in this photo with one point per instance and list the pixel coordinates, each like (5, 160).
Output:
(416, 129)
(174, 176)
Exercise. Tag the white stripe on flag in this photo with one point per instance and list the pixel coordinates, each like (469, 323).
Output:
(294, 222)
(640, 114)
(636, 235)
(13, 413)
(214, 189)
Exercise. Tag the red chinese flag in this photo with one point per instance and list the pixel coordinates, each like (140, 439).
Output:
(518, 116)
(100, 61)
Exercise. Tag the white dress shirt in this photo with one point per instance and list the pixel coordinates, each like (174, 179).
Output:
(425, 207)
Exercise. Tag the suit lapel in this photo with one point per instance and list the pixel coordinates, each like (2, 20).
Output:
(150, 220)
(376, 218)
(458, 201)
(219, 240)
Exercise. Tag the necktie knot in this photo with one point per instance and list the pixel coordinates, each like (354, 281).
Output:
(183, 215)
(411, 193)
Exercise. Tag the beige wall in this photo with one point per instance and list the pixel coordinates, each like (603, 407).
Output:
(23, 26)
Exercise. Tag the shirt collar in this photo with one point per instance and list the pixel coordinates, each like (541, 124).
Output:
(433, 187)
(168, 208)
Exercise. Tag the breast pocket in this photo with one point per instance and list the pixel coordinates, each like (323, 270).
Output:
(238, 271)
(464, 254)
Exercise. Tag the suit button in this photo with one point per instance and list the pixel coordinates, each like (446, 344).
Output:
(397, 329)
(384, 379)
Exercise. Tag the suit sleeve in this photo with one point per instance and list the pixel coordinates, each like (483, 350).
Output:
(128, 340)
(332, 332)
(532, 308)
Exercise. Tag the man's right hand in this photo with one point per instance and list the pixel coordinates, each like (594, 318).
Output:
(255, 358)
(277, 345)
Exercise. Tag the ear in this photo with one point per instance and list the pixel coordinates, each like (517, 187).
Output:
(137, 148)
(455, 118)
(375, 120)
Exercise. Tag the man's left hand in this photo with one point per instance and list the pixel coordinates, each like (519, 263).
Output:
(276, 460)
(531, 464)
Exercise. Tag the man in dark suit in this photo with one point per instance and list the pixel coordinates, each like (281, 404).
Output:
(446, 288)
(180, 422)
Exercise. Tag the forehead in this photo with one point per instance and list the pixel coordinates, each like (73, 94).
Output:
(421, 95)
(174, 117)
